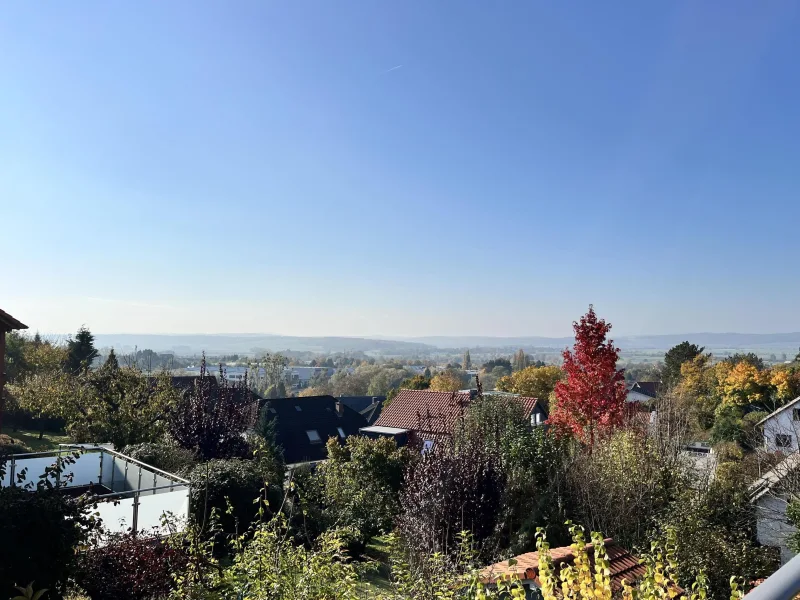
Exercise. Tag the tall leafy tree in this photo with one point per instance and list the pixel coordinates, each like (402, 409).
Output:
(591, 399)
(467, 361)
(44, 387)
(750, 358)
(535, 382)
(447, 381)
(675, 357)
(520, 360)
(81, 351)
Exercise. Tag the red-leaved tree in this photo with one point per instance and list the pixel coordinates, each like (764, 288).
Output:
(591, 398)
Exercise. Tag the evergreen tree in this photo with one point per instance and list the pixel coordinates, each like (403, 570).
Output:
(675, 357)
(111, 362)
(467, 361)
(81, 351)
(37, 340)
(280, 390)
(427, 373)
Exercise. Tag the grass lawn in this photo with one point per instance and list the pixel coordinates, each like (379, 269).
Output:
(49, 441)
(377, 550)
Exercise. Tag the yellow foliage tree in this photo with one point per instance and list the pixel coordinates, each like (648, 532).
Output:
(742, 383)
(447, 381)
(786, 382)
(698, 389)
(535, 382)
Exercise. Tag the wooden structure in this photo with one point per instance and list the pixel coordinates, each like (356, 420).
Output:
(7, 323)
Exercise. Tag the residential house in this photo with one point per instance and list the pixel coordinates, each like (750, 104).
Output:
(643, 391)
(622, 564)
(360, 403)
(369, 406)
(782, 428)
(373, 411)
(303, 425)
(7, 324)
(771, 494)
(300, 377)
(423, 417)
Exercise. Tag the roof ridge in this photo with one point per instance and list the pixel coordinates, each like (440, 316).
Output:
(779, 410)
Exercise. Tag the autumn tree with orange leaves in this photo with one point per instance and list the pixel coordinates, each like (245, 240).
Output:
(591, 398)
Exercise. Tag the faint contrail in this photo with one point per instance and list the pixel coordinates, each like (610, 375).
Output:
(393, 69)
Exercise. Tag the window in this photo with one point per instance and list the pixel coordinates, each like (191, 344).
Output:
(341, 432)
(297, 408)
(427, 446)
(313, 436)
(273, 411)
(796, 414)
(783, 440)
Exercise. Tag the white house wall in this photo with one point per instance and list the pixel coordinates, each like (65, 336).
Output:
(782, 424)
(772, 528)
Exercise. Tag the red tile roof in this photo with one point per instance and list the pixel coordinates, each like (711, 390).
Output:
(624, 566)
(424, 410)
(432, 412)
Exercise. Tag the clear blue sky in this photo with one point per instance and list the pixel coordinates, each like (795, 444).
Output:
(400, 168)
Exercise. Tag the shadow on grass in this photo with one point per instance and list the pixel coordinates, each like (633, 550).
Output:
(49, 441)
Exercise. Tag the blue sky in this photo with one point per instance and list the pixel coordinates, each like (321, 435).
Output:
(400, 168)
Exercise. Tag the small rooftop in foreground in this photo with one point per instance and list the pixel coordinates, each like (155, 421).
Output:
(623, 565)
(7, 322)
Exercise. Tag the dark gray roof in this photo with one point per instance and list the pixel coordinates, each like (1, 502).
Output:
(361, 403)
(372, 412)
(317, 413)
(648, 388)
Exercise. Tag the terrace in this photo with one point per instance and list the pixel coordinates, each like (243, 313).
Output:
(131, 494)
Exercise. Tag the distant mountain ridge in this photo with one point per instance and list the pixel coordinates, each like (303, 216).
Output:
(249, 343)
(190, 344)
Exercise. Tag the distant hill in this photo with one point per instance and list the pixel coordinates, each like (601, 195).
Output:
(188, 345)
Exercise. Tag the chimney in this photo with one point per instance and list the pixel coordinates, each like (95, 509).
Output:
(339, 408)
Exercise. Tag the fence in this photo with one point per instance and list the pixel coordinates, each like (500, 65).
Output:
(131, 494)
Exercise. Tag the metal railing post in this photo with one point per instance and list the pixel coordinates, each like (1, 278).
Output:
(135, 524)
(783, 584)
(12, 482)
(100, 476)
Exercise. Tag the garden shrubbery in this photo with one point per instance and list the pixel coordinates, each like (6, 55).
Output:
(164, 456)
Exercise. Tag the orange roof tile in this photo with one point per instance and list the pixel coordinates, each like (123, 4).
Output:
(623, 565)
(432, 412)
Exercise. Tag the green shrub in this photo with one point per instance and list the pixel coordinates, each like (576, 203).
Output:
(167, 457)
(41, 530)
(218, 482)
